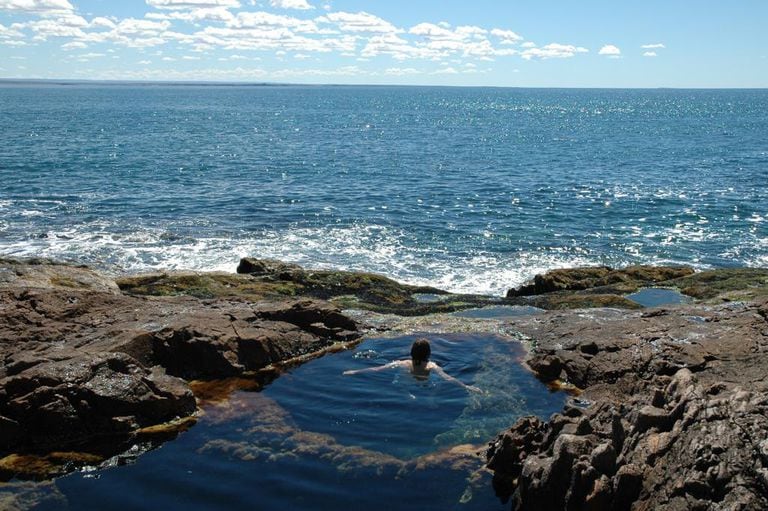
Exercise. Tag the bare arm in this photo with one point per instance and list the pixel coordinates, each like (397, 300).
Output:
(396, 363)
(441, 372)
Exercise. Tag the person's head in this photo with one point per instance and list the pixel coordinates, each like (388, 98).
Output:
(420, 351)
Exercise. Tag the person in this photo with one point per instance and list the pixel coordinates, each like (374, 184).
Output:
(419, 365)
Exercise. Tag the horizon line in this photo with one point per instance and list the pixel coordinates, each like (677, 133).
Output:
(214, 83)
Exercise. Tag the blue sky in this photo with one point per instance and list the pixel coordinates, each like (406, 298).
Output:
(560, 43)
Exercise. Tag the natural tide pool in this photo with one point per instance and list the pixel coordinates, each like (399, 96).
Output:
(317, 439)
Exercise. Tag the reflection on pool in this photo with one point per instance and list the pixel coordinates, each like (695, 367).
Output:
(316, 439)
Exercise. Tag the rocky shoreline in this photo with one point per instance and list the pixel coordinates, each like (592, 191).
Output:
(673, 399)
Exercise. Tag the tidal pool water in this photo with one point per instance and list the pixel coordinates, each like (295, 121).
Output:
(656, 296)
(317, 439)
(498, 312)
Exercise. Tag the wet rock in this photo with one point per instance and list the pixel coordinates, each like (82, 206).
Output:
(268, 267)
(547, 368)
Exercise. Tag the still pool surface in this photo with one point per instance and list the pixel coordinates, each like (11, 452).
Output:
(656, 297)
(317, 439)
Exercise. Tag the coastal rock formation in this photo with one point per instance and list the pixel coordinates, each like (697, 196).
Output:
(270, 280)
(672, 412)
(80, 363)
(678, 415)
(575, 279)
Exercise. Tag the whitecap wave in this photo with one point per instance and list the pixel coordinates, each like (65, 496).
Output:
(375, 248)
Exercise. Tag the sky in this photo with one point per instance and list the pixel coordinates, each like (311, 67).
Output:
(507, 43)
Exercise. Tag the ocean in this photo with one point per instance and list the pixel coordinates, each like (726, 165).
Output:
(468, 189)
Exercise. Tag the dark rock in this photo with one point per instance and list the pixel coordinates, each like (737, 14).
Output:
(626, 487)
(547, 368)
(269, 267)
(61, 402)
(603, 458)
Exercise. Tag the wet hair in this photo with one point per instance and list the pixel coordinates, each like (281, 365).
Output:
(420, 351)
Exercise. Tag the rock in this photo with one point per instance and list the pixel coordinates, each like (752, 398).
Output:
(79, 365)
(724, 284)
(652, 417)
(626, 487)
(603, 458)
(58, 403)
(268, 267)
(547, 368)
(575, 279)
(688, 436)
(561, 301)
(266, 280)
(46, 274)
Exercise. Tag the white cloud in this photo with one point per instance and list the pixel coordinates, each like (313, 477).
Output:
(102, 22)
(9, 32)
(59, 27)
(652, 46)
(506, 36)
(529, 44)
(359, 22)
(92, 55)
(553, 51)
(145, 62)
(269, 20)
(36, 6)
(192, 4)
(190, 57)
(446, 71)
(195, 15)
(649, 54)
(74, 45)
(401, 71)
(139, 26)
(610, 50)
(290, 4)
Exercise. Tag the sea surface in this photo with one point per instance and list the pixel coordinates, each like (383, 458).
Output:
(468, 189)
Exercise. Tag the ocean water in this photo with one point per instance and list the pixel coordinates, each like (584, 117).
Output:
(315, 439)
(468, 189)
